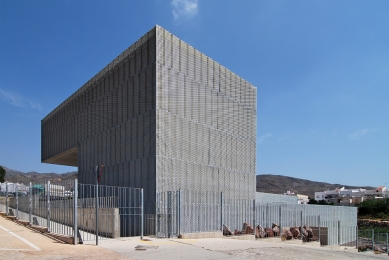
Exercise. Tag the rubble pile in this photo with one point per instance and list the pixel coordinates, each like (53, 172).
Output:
(287, 233)
(226, 231)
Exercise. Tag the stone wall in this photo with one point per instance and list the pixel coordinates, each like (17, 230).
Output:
(372, 223)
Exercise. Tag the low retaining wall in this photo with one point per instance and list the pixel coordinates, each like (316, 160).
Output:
(109, 219)
(216, 234)
(372, 223)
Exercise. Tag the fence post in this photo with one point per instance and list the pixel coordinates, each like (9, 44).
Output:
(178, 211)
(372, 239)
(387, 243)
(319, 224)
(141, 214)
(221, 211)
(169, 214)
(17, 201)
(97, 205)
(75, 211)
(48, 206)
(339, 235)
(280, 225)
(254, 216)
(30, 206)
(301, 227)
(6, 198)
(356, 238)
(157, 220)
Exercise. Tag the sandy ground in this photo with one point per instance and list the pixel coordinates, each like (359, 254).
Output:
(37, 246)
(19, 242)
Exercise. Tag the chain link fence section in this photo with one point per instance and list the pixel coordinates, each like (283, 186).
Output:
(368, 240)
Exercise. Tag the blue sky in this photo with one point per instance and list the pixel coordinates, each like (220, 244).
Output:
(321, 69)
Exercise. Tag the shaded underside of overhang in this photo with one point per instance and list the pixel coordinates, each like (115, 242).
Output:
(68, 158)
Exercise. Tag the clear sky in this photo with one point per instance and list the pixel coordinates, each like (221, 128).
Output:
(321, 69)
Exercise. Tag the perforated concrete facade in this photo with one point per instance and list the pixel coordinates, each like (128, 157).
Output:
(161, 116)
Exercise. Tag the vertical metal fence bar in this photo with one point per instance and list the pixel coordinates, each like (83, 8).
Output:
(301, 227)
(254, 215)
(48, 206)
(339, 234)
(17, 201)
(30, 204)
(6, 198)
(356, 237)
(142, 216)
(319, 225)
(158, 219)
(372, 239)
(169, 214)
(221, 211)
(178, 213)
(97, 207)
(280, 221)
(75, 211)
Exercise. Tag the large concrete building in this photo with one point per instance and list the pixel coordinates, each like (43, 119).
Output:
(161, 116)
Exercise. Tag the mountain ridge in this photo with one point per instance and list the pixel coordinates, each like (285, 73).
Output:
(269, 183)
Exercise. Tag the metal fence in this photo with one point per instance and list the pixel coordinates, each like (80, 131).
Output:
(330, 225)
(185, 211)
(111, 212)
(368, 240)
(120, 211)
(46, 205)
(101, 211)
(188, 211)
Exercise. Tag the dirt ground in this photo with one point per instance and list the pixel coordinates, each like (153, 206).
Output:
(12, 247)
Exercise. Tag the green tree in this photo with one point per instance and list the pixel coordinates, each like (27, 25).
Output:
(2, 174)
(374, 207)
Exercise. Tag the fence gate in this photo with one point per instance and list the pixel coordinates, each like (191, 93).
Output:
(119, 212)
(167, 222)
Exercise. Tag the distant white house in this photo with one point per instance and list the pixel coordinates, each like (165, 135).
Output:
(351, 197)
(301, 199)
(13, 187)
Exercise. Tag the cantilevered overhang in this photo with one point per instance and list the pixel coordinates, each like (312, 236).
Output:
(68, 158)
